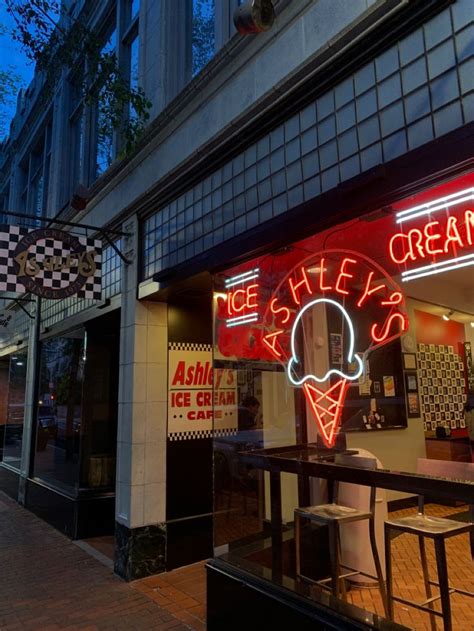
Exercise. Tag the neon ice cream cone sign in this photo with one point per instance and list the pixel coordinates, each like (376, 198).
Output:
(340, 289)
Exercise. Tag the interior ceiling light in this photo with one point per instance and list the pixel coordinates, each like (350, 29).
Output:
(447, 316)
(472, 324)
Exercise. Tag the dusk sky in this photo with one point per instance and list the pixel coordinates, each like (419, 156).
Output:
(12, 57)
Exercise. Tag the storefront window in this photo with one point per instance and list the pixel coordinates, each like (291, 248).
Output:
(4, 370)
(59, 414)
(77, 409)
(357, 341)
(13, 376)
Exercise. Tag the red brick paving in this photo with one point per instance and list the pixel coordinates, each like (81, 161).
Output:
(48, 584)
(182, 592)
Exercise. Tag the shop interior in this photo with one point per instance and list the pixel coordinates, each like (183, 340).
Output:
(407, 410)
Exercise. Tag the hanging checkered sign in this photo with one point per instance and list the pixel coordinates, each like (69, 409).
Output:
(50, 263)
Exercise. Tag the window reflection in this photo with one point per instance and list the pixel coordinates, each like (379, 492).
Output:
(4, 370)
(134, 58)
(60, 410)
(203, 33)
(77, 408)
(15, 407)
(134, 8)
(104, 129)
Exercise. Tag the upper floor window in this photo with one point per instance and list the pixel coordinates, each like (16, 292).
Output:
(203, 44)
(134, 8)
(4, 202)
(34, 178)
(134, 74)
(104, 132)
(131, 50)
(77, 133)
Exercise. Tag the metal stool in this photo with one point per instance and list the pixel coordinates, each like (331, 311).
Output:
(438, 529)
(332, 516)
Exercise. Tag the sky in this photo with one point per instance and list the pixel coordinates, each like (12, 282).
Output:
(11, 56)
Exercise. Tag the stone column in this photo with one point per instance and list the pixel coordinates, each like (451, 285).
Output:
(142, 420)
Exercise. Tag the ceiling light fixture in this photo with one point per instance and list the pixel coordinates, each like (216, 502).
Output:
(472, 324)
(447, 316)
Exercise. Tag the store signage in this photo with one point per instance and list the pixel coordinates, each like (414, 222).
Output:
(242, 298)
(50, 263)
(201, 399)
(340, 284)
(350, 277)
(435, 237)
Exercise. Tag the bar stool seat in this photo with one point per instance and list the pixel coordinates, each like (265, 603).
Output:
(333, 516)
(327, 512)
(429, 525)
(438, 529)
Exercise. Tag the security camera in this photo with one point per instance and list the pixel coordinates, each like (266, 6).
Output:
(254, 16)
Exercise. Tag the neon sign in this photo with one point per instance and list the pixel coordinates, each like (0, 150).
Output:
(441, 203)
(334, 288)
(334, 371)
(436, 245)
(242, 305)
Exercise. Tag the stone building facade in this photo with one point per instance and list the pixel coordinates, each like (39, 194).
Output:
(341, 101)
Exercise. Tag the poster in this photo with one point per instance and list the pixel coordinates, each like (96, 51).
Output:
(409, 361)
(201, 401)
(335, 344)
(411, 381)
(389, 386)
(413, 404)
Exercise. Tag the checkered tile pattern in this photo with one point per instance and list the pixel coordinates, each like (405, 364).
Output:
(205, 433)
(442, 386)
(10, 236)
(189, 346)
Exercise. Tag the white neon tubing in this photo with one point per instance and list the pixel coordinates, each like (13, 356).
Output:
(457, 259)
(242, 278)
(229, 326)
(437, 204)
(243, 317)
(333, 371)
(438, 271)
(248, 321)
(438, 200)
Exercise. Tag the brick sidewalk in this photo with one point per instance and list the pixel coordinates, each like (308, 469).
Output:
(48, 583)
(182, 592)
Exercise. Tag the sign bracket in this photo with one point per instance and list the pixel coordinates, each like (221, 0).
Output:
(117, 250)
(102, 231)
(63, 222)
(18, 302)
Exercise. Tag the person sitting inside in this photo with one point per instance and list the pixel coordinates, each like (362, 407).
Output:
(248, 412)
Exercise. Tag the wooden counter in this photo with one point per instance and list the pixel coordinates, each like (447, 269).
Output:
(454, 449)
